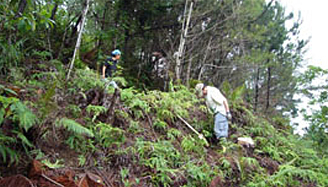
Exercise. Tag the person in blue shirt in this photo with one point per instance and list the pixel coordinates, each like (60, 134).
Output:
(109, 67)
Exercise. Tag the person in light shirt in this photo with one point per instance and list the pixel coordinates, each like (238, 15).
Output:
(218, 104)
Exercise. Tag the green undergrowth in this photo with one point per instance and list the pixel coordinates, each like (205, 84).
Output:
(146, 143)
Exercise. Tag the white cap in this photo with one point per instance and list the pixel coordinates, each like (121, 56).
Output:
(199, 87)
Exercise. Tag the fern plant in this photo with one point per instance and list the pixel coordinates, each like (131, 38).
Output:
(95, 111)
(74, 127)
(22, 120)
(107, 135)
(173, 133)
(199, 174)
(192, 145)
(161, 156)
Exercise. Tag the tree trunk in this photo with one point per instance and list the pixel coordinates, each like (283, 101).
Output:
(74, 30)
(268, 90)
(21, 7)
(205, 57)
(256, 98)
(188, 73)
(184, 33)
(53, 12)
(78, 42)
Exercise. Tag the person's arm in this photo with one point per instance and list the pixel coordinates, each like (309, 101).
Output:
(220, 99)
(103, 71)
(226, 106)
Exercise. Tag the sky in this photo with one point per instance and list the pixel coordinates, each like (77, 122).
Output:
(313, 14)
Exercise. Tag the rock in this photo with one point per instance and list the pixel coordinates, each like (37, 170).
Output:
(246, 141)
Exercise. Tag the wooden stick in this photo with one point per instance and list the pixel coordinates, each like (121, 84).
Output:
(46, 177)
(190, 127)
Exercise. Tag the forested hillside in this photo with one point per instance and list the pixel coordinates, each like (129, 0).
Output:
(60, 125)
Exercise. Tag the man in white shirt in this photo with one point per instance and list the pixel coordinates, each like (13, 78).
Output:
(218, 104)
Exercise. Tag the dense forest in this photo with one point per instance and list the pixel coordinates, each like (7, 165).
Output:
(60, 125)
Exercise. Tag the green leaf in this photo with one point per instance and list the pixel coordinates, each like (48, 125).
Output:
(74, 127)
(24, 139)
(2, 115)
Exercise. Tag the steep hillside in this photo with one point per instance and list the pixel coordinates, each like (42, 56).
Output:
(77, 134)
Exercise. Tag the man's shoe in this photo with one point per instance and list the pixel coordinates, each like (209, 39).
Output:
(223, 144)
(224, 149)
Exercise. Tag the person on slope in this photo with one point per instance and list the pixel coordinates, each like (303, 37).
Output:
(218, 104)
(109, 67)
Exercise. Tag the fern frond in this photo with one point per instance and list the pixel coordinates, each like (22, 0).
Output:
(23, 138)
(96, 111)
(237, 94)
(25, 117)
(74, 127)
(6, 152)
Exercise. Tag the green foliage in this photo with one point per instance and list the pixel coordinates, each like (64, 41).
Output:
(161, 156)
(82, 160)
(85, 79)
(12, 109)
(173, 133)
(46, 104)
(107, 135)
(192, 145)
(96, 111)
(135, 127)
(23, 115)
(7, 152)
(74, 110)
(124, 175)
(316, 112)
(74, 127)
(135, 102)
(256, 42)
(160, 125)
(199, 174)
(11, 55)
(57, 164)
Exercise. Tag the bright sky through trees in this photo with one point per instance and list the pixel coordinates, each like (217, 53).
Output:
(314, 15)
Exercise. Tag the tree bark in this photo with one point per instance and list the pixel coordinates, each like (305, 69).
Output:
(53, 12)
(256, 98)
(188, 72)
(205, 57)
(184, 33)
(78, 42)
(21, 7)
(268, 90)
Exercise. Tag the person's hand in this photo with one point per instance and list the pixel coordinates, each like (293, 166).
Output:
(229, 117)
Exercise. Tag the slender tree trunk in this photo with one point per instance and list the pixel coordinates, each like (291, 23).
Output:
(205, 57)
(53, 12)
(256, 98)
(184, 33)
(78, 42)
(58, 56)
(188, 72)
(21, 7)
(74, 30)
(268, 90)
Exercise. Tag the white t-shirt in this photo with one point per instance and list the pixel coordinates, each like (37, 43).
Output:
(214, 100)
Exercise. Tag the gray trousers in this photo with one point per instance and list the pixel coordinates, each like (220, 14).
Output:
(109, 83)
(220, 126)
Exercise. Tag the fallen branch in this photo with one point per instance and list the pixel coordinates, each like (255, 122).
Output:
(49, 179)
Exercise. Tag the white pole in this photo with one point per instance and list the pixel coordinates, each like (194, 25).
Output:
(78, 42)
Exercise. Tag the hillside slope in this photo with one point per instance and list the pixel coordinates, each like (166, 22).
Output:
(134, 138)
